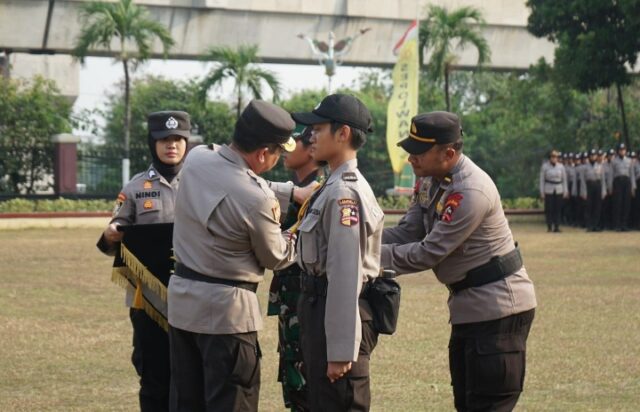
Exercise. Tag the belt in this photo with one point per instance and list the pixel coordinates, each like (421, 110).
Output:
(499, 267)
(552, 182)
(185, 272)
(316, 286)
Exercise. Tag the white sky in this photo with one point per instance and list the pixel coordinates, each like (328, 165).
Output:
(100, 75)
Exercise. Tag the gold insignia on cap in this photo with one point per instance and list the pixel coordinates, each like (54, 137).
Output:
(414, 129)
(289, 145)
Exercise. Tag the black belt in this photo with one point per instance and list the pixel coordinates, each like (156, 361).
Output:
(316, 286)
(499, 267)
(552, 182)
(185, 272)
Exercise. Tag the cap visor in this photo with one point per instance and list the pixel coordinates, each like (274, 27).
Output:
(289, 145)
(414, 147)
(166, 133)
(309, 118)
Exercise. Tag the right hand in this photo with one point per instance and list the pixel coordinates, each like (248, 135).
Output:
(300, 194)
(111, 233)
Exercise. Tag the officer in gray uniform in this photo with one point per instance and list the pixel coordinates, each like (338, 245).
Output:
(594, 188)
(623, 186)
(635, 203)
(553, 189)
(226, 233)
(608, 178)
(457, 227)
(339, 252)
(567, 217)
(149, 198)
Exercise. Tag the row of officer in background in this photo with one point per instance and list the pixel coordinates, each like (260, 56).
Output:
(227, 232)
(591, 190)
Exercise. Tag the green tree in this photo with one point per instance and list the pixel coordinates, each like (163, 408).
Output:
(442, 32)
(30, 113)
(240, 65)
(597, 41)
(132, 26)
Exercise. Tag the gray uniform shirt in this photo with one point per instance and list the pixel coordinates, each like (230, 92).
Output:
(594, 172)
(622, 166)
(226, 226)
(339, 238)
(571, 176)
(147, 199)
(553, 179)
(608, 175)
(462, 230)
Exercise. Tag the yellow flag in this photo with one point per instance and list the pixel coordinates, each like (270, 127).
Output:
(403, 105)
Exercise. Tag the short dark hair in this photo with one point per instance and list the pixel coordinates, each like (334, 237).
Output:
(457, 145)
(358, 137)
(250, 145)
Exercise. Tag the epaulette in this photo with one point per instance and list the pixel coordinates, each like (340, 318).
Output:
(349, 177)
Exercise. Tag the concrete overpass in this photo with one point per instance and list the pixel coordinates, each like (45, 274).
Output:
(50, 27)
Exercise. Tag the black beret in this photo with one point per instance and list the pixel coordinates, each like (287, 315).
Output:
(169, 123)
(338, 108)
(266, 123)
(429, 129)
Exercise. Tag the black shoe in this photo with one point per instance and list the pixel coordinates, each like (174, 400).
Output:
(548, 229)
(557, 230)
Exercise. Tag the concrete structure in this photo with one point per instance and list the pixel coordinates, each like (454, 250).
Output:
(51, 26)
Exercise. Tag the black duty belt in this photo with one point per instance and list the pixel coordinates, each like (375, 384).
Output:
(316, 286)
(499, 267)
(552, 182)
(185, 272)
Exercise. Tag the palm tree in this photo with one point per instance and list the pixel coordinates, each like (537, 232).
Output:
(442, 31)
(131, 25)
(239, 65)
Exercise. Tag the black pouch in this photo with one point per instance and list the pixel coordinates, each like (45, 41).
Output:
(383, 295)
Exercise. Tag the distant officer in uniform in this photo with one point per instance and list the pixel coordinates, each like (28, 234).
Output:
(457, 227)
(553, 189)
(284, 291)
(608, 178)
(339, 251)
(226, 232)
(594, 188)
(149, 198)
(567, 217)
(623, 187)
(580, 202)
(635, 209)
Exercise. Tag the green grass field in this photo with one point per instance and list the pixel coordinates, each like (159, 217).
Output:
(65, 336)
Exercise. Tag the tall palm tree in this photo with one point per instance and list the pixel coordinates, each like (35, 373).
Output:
(135, 30)
(239, 65)
(442, 32)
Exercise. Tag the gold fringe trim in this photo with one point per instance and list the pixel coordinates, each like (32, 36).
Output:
(123, 277)
(141, 272)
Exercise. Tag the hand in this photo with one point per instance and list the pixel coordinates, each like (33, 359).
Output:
(336, 370)
(583, 197)
(300, 194)
(565, 196)
(112, 235)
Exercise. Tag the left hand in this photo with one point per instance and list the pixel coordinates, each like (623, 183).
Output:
(336, 370)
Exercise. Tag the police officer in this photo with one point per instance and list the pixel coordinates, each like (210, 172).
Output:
(580, 196)
(457, 227)
(553, 189)
(284, 291)
(595, 189)
(570, 171)
(635, 209)
(226, 233)
(623, 187)
(608, 178)
(338, 250)
(149, 198)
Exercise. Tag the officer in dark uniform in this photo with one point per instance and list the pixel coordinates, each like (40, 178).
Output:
(623, 187)
(149, 198)
(457, 227)
(285, 285)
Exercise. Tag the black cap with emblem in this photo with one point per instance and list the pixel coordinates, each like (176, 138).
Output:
(338, 108)
(169, 123)
(430, 129)
(265, 123)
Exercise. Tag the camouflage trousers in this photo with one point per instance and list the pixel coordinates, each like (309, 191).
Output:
(283, 301)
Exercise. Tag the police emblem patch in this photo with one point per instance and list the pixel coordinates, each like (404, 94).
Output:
(348, 212)
(171, 123)
(276, 211)
(119, 202)
(147, 184)
(450, 205)
(148, 204)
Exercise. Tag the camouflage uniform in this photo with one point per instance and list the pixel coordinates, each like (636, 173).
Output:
(283, 300)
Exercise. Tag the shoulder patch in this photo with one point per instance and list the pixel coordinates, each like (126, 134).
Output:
(118, 204)
(349, 177)
(275, 209)
(450, 205)
(347, 202)
(349, 214)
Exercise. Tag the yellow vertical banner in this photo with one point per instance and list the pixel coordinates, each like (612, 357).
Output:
(403, 105)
